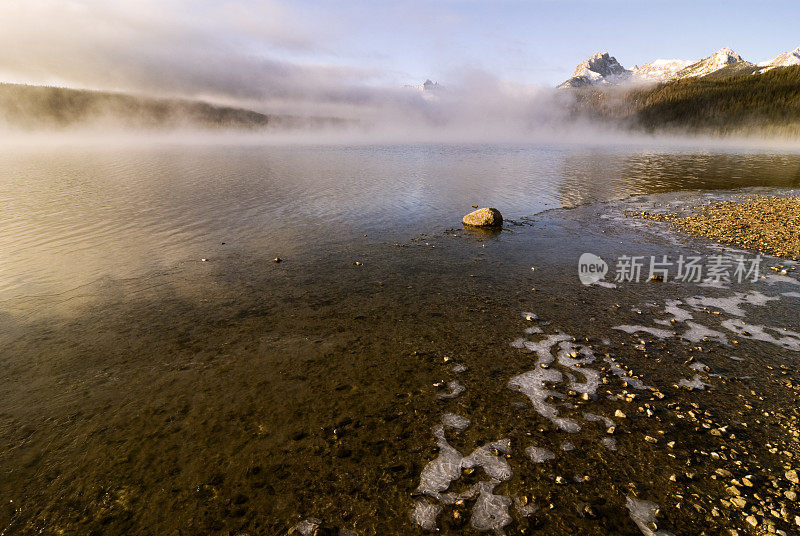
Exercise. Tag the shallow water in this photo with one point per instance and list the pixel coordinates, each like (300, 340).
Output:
(148, 391)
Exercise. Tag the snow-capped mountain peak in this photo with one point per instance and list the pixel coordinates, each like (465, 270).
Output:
(660, 70)
(601, 68)
(786, 59)
(716, 61)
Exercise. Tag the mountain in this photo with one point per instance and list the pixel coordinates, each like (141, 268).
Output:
(602, 69)
(767, 104)
(786, 59)
(716, 61)
(599, 69)
(660, 70)
(427, 85)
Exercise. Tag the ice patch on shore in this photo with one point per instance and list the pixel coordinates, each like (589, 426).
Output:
(678, 314)
(591, 417)
(699, 333)
(425, 515)
(567, 356)
(758, 333)
(533, 384)
(656, 332)
(731, 304)
(490, 511)
(643, 514)
(457, 422)
(629, 380)
(454, 389)
(306, 527)
(539, 454)
(609, 442)
(695, 383)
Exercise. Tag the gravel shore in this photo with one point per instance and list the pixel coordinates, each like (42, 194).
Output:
(764, 223)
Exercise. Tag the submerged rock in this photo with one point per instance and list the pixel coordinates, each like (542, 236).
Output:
(484, 217)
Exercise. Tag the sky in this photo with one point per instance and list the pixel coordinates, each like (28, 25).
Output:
(343, 51)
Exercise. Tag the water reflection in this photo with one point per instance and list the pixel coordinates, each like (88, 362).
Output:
(70, 217)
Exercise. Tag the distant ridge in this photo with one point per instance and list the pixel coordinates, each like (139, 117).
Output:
(602, 69)
(40, 107)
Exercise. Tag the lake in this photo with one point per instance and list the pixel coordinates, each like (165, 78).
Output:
(162, 374)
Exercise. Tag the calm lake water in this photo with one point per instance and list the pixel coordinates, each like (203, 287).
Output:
(162, 375)
(69, 217)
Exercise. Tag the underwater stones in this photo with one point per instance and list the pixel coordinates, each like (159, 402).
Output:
(792, 477)
(483, 217)
(609, 442)
(305, 527)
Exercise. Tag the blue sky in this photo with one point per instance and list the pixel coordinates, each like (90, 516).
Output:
(541, 41)
(340, 51)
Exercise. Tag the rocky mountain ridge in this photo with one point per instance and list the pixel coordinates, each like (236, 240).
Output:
(602, 69)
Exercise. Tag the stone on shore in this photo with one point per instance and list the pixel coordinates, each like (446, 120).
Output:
(484, 217)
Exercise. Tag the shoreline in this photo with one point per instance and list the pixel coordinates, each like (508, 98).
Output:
(767, 224)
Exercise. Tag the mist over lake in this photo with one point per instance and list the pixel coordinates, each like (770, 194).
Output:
(275, 268)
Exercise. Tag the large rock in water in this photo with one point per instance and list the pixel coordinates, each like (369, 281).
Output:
(484, 217)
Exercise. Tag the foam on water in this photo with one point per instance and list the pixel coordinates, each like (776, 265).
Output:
(698, 366)
(678, 314)
(777, 278)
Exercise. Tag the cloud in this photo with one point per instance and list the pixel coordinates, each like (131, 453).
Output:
(231, 49)
(261, 54)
